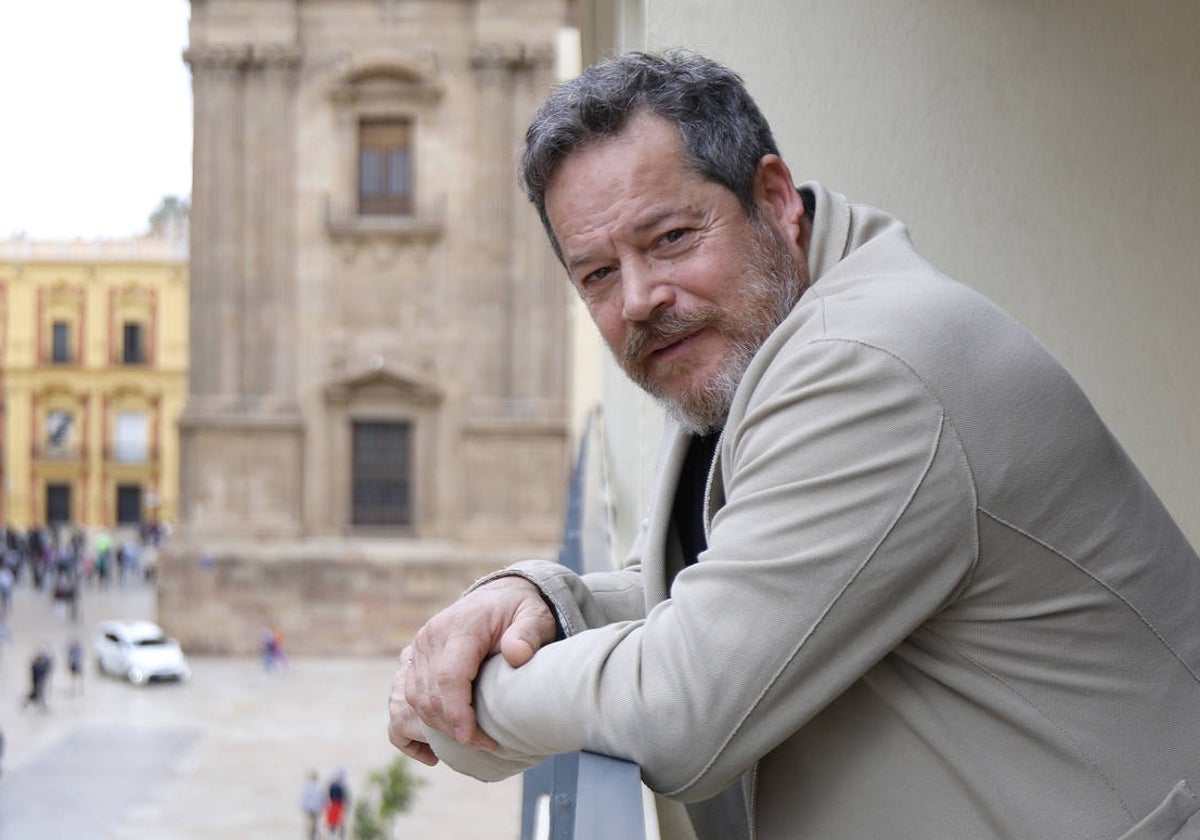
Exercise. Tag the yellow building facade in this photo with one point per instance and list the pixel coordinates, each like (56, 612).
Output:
(93, 377)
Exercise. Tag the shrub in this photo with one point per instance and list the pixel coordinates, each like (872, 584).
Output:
(390, 792)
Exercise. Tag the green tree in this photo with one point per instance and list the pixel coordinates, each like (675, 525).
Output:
(170, 218)
(390, 792)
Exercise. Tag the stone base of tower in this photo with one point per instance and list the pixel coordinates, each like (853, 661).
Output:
(330, 597)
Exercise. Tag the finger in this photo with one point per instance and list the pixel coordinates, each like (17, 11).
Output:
(411, 747)
(415, 749)
(421, 752)
(406, 731)
(421, 690)
(404, 727)
(454, 681)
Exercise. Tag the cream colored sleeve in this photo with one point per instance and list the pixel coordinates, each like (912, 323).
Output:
(848, 520)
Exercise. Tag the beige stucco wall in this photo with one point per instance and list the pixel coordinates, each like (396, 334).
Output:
(1044, 154)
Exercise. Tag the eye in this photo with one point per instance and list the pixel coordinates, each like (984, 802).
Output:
(595, 276)
(672, 236)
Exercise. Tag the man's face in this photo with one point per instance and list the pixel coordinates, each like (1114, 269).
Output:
(682, 284)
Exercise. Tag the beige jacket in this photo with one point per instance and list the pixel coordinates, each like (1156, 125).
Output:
(938, 600)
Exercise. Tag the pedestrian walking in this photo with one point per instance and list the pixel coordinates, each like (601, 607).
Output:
(102, 545)
(39, 677)
(66, 592)
(274, 659)
(75, 665)
(335, 810)
(312, 801)
(7, 578)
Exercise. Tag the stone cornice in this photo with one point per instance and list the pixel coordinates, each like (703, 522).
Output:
(243, 56)
(227, 413)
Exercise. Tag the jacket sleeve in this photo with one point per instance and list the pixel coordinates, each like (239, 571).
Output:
(581, 601)
(847, 520)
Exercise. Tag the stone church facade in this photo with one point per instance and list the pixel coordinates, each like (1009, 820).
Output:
(377, 405)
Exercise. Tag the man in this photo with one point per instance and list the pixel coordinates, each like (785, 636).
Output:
(897, 579)
(312, 802)
(75, 665)
(39, 677)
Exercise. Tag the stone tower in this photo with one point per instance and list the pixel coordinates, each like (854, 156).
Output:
(377, 398)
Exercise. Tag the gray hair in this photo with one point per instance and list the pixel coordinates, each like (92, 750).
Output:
(723, 132)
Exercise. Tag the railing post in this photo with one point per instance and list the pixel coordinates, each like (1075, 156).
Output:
(591, 797)
(608, 805)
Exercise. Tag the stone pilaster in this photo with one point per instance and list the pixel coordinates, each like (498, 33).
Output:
(242, 241)
(241, 412)
(268, 329)
(505, 73)
(215, 219)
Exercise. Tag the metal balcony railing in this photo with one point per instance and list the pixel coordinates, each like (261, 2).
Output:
(584, 796)
(130, 455)
(112, 455)
(61, 453)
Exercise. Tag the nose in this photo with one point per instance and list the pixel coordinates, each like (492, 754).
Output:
(644, 290)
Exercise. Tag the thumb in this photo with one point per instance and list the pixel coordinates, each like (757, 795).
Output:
(520, 642)
(518, 646)
(529, 630)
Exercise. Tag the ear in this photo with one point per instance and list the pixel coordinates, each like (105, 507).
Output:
(778, 200)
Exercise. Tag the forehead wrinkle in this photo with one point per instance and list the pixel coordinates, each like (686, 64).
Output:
(597, 232)
(579, 252)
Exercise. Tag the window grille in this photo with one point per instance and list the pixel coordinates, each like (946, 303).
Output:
(382, 473)
(385, 171)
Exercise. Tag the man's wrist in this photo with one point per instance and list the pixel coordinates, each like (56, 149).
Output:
(551, 607)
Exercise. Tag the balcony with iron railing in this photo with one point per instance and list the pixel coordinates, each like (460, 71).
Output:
(112, 455)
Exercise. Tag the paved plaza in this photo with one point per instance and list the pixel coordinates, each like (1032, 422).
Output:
(223, 755)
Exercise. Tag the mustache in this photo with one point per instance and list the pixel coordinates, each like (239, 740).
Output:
(666, 328)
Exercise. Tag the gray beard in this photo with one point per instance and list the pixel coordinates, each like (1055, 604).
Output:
(773, 284)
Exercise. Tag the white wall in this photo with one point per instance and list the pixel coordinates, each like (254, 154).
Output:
(1047, 154)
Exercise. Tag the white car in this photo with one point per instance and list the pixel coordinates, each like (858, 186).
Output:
(139, 651)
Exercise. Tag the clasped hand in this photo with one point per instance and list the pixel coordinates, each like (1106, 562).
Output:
(433, 686)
